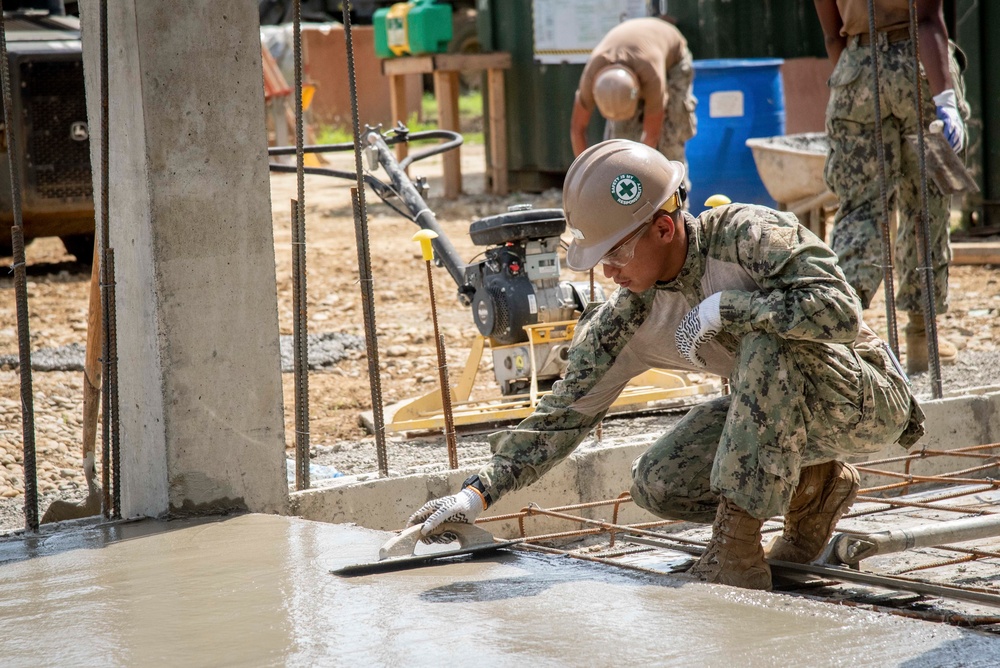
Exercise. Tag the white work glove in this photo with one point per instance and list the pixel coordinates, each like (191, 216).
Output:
(947, 111)
(465, 506)
(699, 326)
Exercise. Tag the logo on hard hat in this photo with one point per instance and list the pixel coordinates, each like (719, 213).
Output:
(626, 189)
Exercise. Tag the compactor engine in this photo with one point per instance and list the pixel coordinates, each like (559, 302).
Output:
(517, 284)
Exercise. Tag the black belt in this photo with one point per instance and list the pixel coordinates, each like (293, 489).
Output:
(892, 36)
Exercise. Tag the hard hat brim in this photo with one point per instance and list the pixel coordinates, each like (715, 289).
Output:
(585, 258)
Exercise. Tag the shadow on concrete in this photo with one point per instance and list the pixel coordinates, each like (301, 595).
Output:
(541, 577)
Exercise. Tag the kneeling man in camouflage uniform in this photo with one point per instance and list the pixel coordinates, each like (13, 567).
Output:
(741, 291)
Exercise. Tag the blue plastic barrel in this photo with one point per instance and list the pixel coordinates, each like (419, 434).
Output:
(738, 99)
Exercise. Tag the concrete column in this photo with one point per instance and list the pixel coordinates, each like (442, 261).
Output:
(199, 366)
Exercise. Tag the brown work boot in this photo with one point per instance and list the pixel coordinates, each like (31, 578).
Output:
(734, 556)
(916, 345)
(823, 495)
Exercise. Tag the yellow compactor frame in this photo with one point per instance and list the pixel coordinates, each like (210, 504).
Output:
(426, 413)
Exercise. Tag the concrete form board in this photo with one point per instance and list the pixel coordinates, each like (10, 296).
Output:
(255, 590)
(145, 488)
(201, 404)
(595, 472)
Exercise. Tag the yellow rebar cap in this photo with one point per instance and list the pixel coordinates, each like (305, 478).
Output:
(717, 200)
(424, 237)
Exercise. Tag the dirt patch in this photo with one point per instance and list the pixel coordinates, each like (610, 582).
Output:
(338, 393)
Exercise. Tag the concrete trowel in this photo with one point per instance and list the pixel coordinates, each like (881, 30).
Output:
(943, 164)
(399, 552)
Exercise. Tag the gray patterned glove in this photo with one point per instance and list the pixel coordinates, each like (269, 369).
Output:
(700, 325)
(465, 506)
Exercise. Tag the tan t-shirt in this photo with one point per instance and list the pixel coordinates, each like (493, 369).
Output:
(649, 47)
(889, 15)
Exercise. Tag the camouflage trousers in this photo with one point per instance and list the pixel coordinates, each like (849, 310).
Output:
(679, 121)
(852, 173)
(792, 404)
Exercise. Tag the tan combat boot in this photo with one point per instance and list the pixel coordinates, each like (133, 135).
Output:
(823, 495)
(916, 345)
(734, 556)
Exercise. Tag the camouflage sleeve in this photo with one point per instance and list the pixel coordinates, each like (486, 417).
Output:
(547, 436)
(803, 292)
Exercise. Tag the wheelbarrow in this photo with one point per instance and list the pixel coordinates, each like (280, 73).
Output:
(791, 167)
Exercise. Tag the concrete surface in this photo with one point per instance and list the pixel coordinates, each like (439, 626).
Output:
(595, 472)
(200, 386)
(255, 590)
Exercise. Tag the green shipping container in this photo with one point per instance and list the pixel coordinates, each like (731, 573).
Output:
(539, 99)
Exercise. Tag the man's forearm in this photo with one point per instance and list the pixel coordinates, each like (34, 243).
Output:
(831, 22)
(933, 36)
(578, 126)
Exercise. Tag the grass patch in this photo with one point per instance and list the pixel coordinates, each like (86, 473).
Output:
(470, 113)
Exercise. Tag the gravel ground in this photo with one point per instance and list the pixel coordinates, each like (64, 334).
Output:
(338, 387)
(406, 455)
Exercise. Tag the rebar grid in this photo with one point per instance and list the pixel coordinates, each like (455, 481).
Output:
(643, 533)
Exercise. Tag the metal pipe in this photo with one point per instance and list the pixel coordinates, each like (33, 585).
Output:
(20, 296)
(422, 215)
(851, 549)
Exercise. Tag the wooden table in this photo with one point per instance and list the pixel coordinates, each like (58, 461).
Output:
(445, 67)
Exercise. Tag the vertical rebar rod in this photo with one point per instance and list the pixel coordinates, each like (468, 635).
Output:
(449, 420)
(888, 284)
(111, 395)
(106, 501)
(371, 338)
(300, 358)
(599, 431)
(924, 228)
(27, 394)
(300, 306)
(364, 258)
(20, 296)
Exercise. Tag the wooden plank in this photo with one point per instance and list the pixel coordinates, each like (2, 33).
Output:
(460, 62)
(397, 102)
(975, 252)
(498, 131)
(446, 92)
(408, 65)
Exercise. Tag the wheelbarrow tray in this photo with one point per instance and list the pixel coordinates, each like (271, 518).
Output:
(791, 166)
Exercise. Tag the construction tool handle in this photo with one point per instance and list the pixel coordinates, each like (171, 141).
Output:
(92, 369)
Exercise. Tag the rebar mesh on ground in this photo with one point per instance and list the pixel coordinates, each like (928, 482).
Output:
(950, 486)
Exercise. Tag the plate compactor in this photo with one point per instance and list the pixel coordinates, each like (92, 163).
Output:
(518, 302)
(520, 306)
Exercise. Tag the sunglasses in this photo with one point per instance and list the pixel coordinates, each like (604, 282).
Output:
(622, 254)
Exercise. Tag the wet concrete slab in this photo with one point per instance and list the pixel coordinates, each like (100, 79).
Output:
(255, 590)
